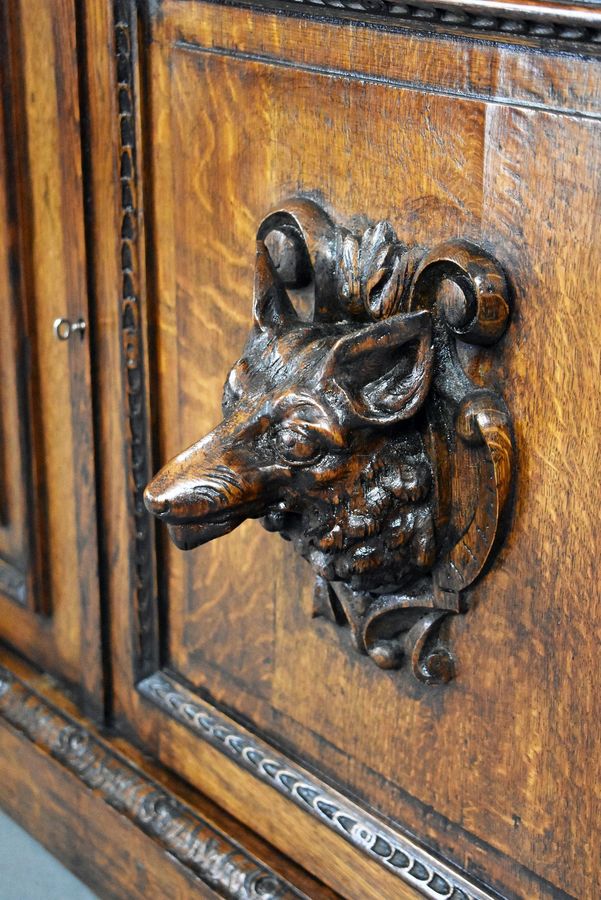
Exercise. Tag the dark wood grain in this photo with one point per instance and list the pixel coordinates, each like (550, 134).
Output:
(522, 22)
(22, 507)
(95, 803)
(236, 110)
(556, 81)
(49, 379)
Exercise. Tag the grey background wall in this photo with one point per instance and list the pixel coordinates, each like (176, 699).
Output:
(29, 872)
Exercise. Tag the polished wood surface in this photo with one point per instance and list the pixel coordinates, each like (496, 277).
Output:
(226, 129)
(526, 22)
(151, 139)
(127, 828)
(16, 524)
(48, 454)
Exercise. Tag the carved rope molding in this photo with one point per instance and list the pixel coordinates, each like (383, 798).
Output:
(538, 23)
(206, 851)
(137, 443)
(430, 876)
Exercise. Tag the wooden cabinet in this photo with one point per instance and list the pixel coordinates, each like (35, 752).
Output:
(49, 592)
(251, 749)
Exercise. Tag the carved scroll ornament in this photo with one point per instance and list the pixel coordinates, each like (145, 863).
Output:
(353, 430)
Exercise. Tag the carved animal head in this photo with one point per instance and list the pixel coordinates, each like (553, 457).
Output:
(316, 440)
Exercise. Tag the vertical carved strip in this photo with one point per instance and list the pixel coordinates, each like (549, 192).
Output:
(132, 341)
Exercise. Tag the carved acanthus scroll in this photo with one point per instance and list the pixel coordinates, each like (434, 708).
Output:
(351, 428)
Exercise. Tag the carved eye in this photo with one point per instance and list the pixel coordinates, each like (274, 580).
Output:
(297, 446)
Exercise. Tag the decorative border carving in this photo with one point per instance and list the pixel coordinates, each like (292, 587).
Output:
(132, 342)
(415, 866)
(211, 855)
(574, 26)
(396, 853)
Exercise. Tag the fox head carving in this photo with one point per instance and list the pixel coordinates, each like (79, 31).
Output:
(317, 441)
(358, 435)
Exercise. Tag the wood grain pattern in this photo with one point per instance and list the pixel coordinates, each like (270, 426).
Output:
(549, 582)
(522, 22)
(49, 265)
(396, 854)
(438, 136)
(561, 82)
(24, 548)
(89, 790)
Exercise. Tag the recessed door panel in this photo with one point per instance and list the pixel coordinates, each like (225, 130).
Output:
(235, 111)
(49, 606)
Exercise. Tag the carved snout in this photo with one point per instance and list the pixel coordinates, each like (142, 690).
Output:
(205, 492)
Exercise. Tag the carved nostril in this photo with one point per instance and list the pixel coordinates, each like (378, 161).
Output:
(156, 504)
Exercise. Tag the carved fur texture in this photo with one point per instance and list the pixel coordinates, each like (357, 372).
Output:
(374, 530)
(317, 439)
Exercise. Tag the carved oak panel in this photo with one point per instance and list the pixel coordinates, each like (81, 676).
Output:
(232, 115)
(49, 607)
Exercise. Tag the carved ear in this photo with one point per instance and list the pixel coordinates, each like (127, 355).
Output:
(271, 305)
(384, 370)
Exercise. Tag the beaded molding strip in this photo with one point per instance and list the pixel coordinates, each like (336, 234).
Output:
(555, 23)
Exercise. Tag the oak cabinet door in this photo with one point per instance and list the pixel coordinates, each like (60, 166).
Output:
(221, 669)
(48, 558)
